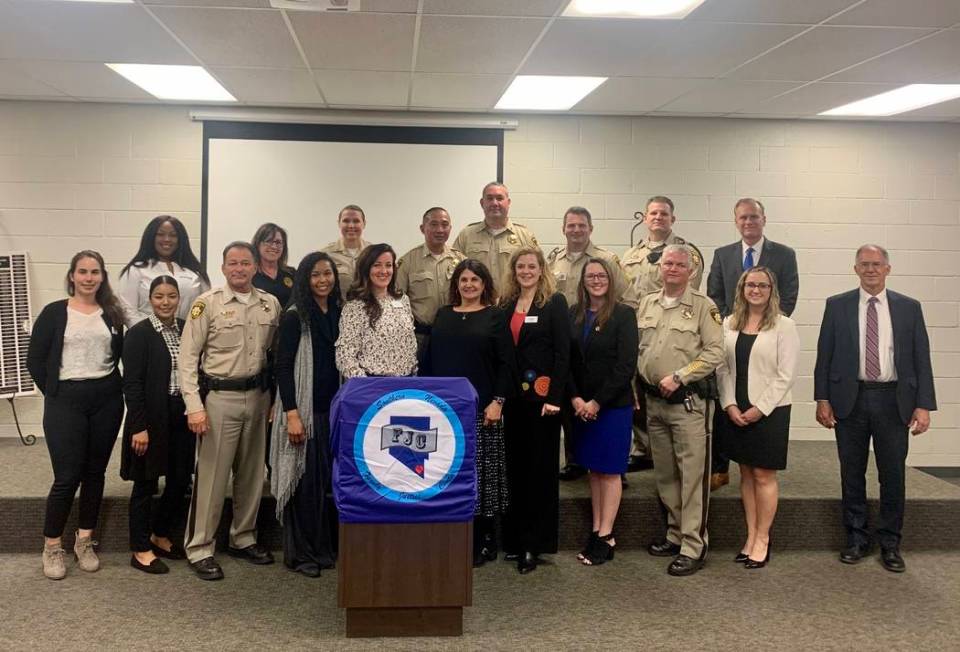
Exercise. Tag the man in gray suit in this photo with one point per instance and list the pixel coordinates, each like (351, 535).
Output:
(729, 262)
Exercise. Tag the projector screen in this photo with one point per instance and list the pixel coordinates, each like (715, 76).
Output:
(300, 176)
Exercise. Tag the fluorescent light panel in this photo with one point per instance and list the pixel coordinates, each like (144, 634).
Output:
(174, 82)
(664, 9)
(899, 100)
(547, 92)
(115, 2)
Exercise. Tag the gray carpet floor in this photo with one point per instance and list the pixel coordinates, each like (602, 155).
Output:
(802, 601)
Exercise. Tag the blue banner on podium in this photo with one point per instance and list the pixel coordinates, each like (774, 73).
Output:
(404, 450)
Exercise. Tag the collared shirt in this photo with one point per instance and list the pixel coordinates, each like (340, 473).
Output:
(346, 261)
(478, 241)
(757, 248)
(280, 287)
(171, 337)
(387, 349)
(425, 278)
(888, 371)
(567, 268)
(645, 275)
(232, 336)
(133, 288)
(685, 337)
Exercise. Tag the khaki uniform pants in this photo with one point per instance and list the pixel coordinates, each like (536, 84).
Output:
(234, 442)
(681, 466)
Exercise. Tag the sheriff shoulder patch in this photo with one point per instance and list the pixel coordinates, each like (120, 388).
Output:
(716, 315)
(197, 309)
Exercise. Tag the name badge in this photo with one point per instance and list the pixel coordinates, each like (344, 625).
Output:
(531, 319)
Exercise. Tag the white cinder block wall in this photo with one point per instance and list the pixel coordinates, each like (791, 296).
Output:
(85, 175)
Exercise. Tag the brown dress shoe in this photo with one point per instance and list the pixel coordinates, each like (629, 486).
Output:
(717, 480)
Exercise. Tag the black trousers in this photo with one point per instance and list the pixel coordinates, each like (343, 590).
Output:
(532, 445)
(80, 426)
(720, 463)
(874, 415)
(171, 511)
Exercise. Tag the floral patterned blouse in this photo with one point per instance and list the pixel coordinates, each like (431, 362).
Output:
(389, 349)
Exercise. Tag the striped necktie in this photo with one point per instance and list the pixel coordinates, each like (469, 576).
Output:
(871, 362)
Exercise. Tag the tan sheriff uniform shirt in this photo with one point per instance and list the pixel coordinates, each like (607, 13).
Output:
(232, 336)
(646, 275)
(567, 268)
(494, 251)
(686, 339)
(346, 261)
(425, 278)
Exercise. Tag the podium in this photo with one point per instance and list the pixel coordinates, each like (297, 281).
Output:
(405, 485)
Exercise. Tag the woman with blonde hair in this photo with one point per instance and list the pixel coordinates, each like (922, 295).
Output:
(759, 368)
(539, 326)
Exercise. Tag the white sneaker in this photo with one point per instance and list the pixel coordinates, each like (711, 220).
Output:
(53, 564)
(86, 556)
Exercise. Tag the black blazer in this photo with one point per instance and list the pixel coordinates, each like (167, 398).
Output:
(46, 346)
(146, 377)
(727, 267)
(543, 349)
(838, 355)
(603, 366)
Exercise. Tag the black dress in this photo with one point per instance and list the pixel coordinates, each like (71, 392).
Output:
(762, 444)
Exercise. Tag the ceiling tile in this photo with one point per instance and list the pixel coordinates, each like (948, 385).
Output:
(475, 45)
(726, 96)
(540, 8)
(85, 32)
(247, 4)
(824, 50)
(634, 94)
(899, 13)
(921, 62)
(636, 48)
(446, 91)
(234, 37)
(389, 6)
(355, 41)
(270, 85)
(15, 82)
(85, 79)
(809, 12)
(814, 98)
(364, 87)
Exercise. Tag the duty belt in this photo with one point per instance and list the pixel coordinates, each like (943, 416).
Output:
(233, 384)
(677, 398)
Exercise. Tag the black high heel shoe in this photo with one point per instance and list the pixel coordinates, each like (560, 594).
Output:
(601, 552)
(590, 543)
(753, 563)
(741, 558)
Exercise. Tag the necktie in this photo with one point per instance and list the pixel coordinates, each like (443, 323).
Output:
(748, 259)
(871, 363)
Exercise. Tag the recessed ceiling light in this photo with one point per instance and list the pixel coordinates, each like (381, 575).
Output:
(546, 92)
(672, 9)
(899, 100)
(174, 82)
(115, 2)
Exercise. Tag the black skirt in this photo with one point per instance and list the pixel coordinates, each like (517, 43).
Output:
(762, 444)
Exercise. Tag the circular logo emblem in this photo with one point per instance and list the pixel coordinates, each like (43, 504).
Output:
(409, 445)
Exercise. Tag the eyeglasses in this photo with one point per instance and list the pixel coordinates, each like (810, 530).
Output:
(595, 277)
(757, 286)
(276, 244)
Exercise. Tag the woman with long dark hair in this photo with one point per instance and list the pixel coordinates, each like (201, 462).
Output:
(273, 275)
(164, 249)
(376, 327)
(156, 440)
(75, 348)
(300, 453)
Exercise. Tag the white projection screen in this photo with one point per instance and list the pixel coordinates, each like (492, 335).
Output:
(300, 176)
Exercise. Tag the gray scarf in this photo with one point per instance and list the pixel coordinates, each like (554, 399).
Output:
(286, 460)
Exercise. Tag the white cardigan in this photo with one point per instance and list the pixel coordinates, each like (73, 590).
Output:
(773, 366)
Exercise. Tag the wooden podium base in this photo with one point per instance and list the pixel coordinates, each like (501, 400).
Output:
(405, 579)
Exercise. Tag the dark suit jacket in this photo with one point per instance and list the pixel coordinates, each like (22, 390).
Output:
(838, 355)
(727, 267)
(603, 365)
(46, 345)
(146, 376)
(543, 349)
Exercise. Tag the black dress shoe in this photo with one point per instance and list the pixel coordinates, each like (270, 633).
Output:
(637, 463)
(684, 565)
(253, 554)
(892, 561)
(527, 563)
(572, 472)
(854, 554)
(309, 569)
(663, 549)
(175, 552)
(207, 569)
(156, 567)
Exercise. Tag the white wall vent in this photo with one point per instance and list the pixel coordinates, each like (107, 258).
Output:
(15, 313)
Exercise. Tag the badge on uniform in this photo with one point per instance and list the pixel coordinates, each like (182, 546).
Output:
(686, 313)
(197, 309)
(287, 281)
(265, 306)
(513, 240)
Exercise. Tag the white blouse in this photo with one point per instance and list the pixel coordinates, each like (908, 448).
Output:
(133, 289)
(87, 349)
(389, 349)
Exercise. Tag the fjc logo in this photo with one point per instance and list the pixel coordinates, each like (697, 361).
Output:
(409, 445)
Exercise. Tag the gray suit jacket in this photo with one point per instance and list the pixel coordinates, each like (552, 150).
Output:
(727, 266)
